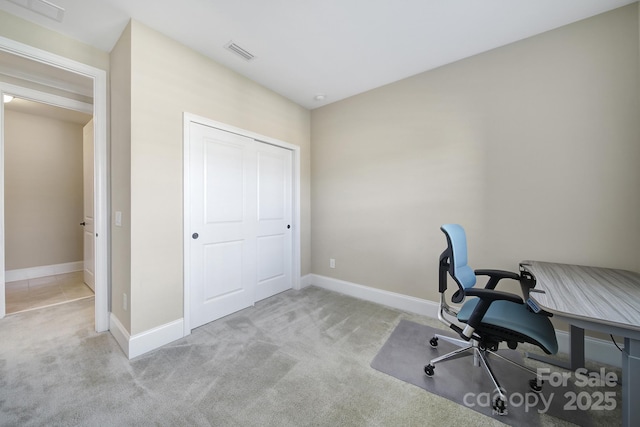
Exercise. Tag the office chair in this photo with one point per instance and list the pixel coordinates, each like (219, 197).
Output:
(490, 316)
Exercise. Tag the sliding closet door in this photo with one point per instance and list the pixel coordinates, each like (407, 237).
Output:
(240, 217)
(223, 206)
(274, 220)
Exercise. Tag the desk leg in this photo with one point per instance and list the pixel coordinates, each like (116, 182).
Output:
(576, 348)
(631, 382)
(576, 351)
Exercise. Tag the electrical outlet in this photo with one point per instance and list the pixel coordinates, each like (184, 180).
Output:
(124, 302)
(332, 263)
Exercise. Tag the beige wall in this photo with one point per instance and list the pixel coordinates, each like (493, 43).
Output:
(533, 147)
(22, 31)
(120, 174)
(43, 191)
(168, 79)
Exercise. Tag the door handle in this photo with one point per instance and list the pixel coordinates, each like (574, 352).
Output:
(83, 223)
(195, 236)
(288, 226)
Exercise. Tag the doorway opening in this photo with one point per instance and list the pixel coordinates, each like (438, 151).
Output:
(48, 175)
(34, 68)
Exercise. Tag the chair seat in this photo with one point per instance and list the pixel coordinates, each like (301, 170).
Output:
(518, 318)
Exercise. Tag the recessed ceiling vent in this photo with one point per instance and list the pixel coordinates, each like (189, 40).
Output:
(43, 7)
(243, 53)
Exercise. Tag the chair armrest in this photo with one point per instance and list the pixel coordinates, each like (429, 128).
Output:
(495, 276)
(491, 295)
(501, 274)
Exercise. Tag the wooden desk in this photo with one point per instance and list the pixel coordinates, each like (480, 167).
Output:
(600, 299)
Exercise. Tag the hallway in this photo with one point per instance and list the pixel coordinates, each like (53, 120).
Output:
(24, 295)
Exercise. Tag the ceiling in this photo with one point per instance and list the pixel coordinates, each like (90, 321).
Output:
(303, 48)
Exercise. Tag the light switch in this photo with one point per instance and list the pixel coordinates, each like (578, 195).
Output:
(119, 218)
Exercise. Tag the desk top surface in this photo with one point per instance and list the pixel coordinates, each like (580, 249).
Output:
(603, 295)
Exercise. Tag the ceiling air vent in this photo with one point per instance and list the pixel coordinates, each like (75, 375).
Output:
(43, 7)
(243, 53)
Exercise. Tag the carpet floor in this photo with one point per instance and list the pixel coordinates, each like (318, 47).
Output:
(300, 358)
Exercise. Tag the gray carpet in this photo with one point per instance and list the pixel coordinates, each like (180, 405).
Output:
(300, 358)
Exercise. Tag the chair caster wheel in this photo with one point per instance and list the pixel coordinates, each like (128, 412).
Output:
(534, 386)
(433, 342)
(428, 370)
(500, 407)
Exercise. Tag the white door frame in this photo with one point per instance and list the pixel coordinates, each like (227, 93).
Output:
(101, 183)
(189, 118)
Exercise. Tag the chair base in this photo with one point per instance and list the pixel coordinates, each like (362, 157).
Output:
(480, 356)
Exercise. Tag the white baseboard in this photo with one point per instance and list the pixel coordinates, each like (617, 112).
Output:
(596, 350)
(305, 281)
(120, 333)
(42, 271)
(144, 342)
(379, 296)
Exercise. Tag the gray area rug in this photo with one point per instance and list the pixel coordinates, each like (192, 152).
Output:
(407, 350)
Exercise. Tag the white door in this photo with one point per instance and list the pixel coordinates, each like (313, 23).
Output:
(240, 210)
(223, 206)
(274, 220)
(88, 220)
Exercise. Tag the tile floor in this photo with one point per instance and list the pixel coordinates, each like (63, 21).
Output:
(30, 294)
